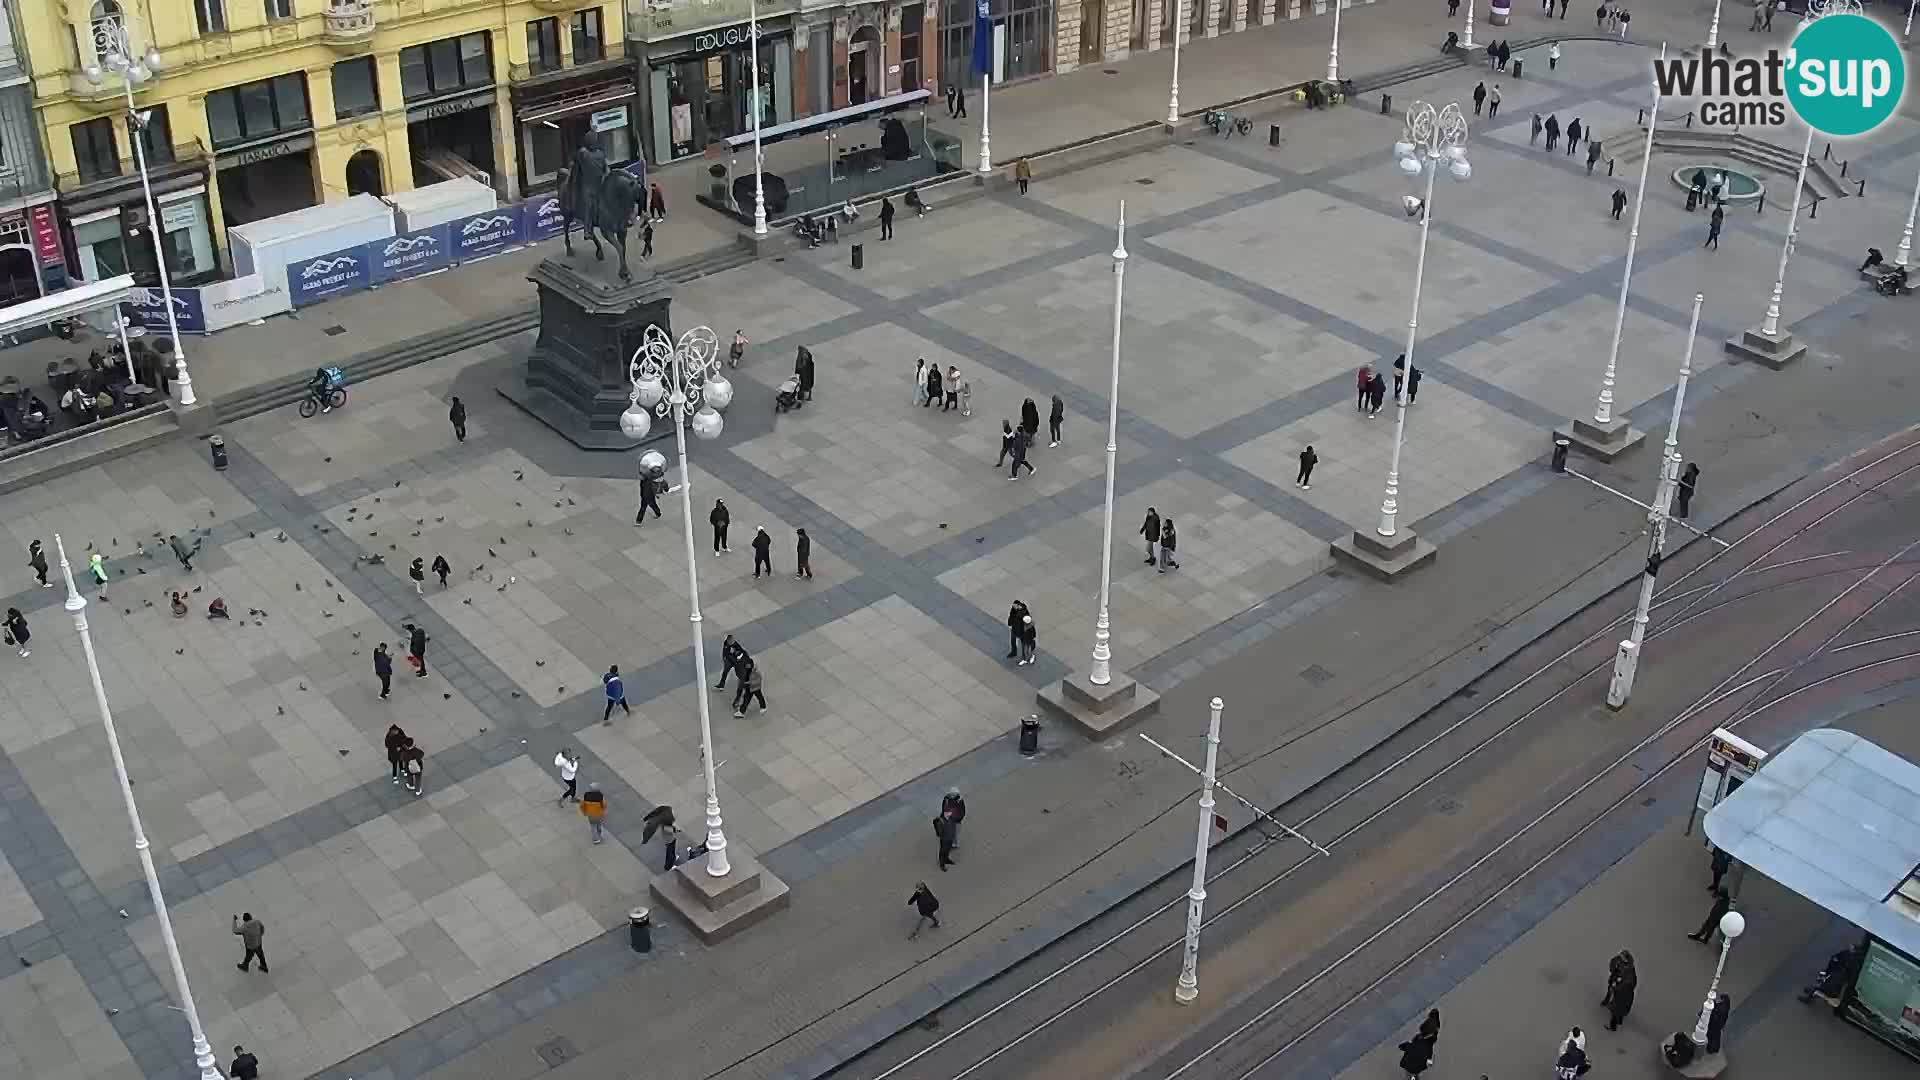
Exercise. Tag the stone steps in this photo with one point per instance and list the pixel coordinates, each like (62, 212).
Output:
(1627, 148)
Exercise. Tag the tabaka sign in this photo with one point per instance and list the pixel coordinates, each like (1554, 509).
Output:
(333, 274)
(485, 234)
(410, 255)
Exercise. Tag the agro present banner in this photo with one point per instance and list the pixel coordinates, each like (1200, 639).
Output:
(485, 234)
(540, 218)
(148, 308)
(410, 254)
(333, 274)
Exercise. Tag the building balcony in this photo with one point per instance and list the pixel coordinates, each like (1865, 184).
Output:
(348, 25)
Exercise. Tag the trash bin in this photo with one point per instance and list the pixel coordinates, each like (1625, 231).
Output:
(640, 929)
(1030, 735)
(1560, 445)
(1386, 104)
(218, 446)
(1273, 134)
(1516, 68)
(859, 256)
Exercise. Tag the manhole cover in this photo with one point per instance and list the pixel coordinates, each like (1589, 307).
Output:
(1145, 181)
(557, 1052)
(1317, 675)
(333, 331)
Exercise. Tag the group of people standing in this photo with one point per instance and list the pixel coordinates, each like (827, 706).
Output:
(721, 519)
(1162, 540)
(1017, 442)
(406, 761)
(735, 660)
(1371, 387)
(948, 390)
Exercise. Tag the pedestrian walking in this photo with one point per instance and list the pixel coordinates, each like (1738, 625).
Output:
(960, 102)
(935, 385)
(245, 1066)
(1006, 442)
(1713, 228)
(952, 388)
(751, 689)
(1505, 54)
(1593, 154)
(1573, 136)
(1021, 441)
(954, 809)
(1413, 386)
(1696, 189)
(457, 416)
(886, 218)
(1016, 616)
(1622, 981)
(950, 112)
(616, 691)
(1399, 374)
(1029, 640)
(252, 934)
(1600, 17)
(1717, 1022)
(1563, 15)
(1030, 419)
(1415, 1055)
(657, 203)
(396, 743)
(568, 763)
(416, 761)
(762, 552)
(1479, 98)
(720, 518)
(1169, 543)
(1570, 1061)
(1308, 459)
(802, 554)
(1722, 903)
(731, 653)
(927, 905)
(649, 497)
(966, 397)
(184, 553)
(1768, 23)
(1533, 135)
(37, 558)
(1150, 528)
(1619, 202)
(97, 568)
(1430, 1026)
(1626, 17)
(1493, 95)
(593, 807)
(1759, 14)
(1546, 7)
(803, 370)
(1364, 379)
(1553, 54)
(1023, 174)
(1718, 866)
(417, 571)
(383, 670)
(1055, 418)
(943, 832)
(1553, 132)
(1376, 394)
(646, 239)
(920, 382)
(17, 632)
(1453, 8)
(416, 649)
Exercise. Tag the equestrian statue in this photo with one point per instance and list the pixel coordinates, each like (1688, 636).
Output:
(604, 202)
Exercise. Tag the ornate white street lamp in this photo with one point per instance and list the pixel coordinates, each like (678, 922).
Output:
(76, 606)
(1713, 28)
(1333, 52)
(1732, 925)
(113, 44)
(1187, 987)
(1603, 407)
(1905, 250)
(1102, 673)
(1433, 138)
(1179, 31)
(759, 157)
(668, 377)
(1467, 39)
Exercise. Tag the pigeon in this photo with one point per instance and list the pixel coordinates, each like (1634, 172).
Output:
(375, 532)
(446, 697)
(328, 460)
(137, 570)
(280, 710)
(303, 686)
(326, 614)
(249, 534)
(338, 599)
(282, 538)
(539, 663)
(517, 503)
(494, 553)
(439, 520)
(149, 603)
(503, 540)
(129, 611)
(179, 652)
(396, 483)
(516, 693)
(529, 523)
(570, 502)
(556, 506)
(518, 475)
(327, 583)
(568, 532)
(343, 752)
(468, 601)
(532, 554)
(209, 513)
(376, 498)
(296, 586)
(415, 532)
(393, 547)
(197, 588)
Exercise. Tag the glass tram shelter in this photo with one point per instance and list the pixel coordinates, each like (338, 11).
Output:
(1836, 819)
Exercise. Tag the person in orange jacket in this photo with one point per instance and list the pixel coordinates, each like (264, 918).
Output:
(593, 807)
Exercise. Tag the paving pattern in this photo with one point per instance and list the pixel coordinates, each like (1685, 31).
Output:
(1258, 280)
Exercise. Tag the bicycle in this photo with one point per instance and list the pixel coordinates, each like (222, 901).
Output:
(311, 404)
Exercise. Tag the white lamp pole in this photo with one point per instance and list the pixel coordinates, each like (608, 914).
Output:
(1188, 987)
(1771, 325)
(1603, 409)
(1102, 673)
(1713, 28)
(1333, 53)
(1433, 137)
(1732, 925)
(1468, 39)
(1907, 34)
(666, 376)
(112, 42)
(1905, 250)
(1173, 92)
(1626, 661)
(77, 607)
(759, 158)
(986, 93)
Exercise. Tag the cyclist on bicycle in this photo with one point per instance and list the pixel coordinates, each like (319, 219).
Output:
(321, 386)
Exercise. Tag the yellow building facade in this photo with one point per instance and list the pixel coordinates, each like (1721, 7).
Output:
(260, 107)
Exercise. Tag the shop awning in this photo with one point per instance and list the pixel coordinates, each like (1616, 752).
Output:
(835, 118)
(1836, 819)
(68, 303)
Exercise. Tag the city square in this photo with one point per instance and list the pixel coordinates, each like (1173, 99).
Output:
(405, 933)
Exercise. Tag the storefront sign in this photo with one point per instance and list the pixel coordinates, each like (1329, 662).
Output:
(333, 274)
(731, 37)
(608, 119)
(184, 214)
(46, 235)
(485, 234)
(540, 217)
(465, 103)
(253, 155)
(148, 308)
(411, 254)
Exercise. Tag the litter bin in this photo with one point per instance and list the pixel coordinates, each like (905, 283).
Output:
(1030, 735)
(1560, 454)
(1273, 134)
(218, 446)
(1516, 68)
(859, 256)
(640, 929)
(1386, 104)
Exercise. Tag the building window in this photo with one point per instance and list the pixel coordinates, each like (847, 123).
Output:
(543, 44)
(279, 10)
(155, 133)
(211, 15)
(355, 88)
(446, 66)
(258, 110)
(912, 19)
(588, 45)
(94, 149)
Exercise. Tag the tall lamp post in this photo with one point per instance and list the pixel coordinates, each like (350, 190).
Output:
(1173, 91)
(759, 106)
(1771, 325)
(77, 607)
(1333, 51)
(1467, 39)
(1102, 673)
(1905, 251)
(1188, 986)
(1713, 28)
(113, 44)
(1732, 925)
(1626, 661)
(667, 377)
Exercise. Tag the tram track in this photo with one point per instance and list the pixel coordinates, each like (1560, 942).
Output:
(1106, 958)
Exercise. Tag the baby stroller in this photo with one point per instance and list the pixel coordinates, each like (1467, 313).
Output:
(787, 395)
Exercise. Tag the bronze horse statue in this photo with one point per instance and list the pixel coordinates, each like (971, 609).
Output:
(605, 211)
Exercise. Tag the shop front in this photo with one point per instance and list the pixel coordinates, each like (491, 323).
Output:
(31, 262)
(701, 86)
(1023, 39)
(553, 113)
(263, 145)
(449, 90)
(107, 220)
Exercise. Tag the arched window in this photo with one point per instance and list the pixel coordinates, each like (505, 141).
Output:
(104, 26)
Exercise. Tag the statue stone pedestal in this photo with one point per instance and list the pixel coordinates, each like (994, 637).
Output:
(591, 323)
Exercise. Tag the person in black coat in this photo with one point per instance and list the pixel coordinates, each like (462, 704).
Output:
(1016, 615)
(1054, 419)
(1683, 494)
(802, 551)
(649, 497)
(1022, 439)
(1030, 419)
(1169, 543)
(1717, 1022)
(1553, 132)
(1722, 903)
(954, 809)
(731, 653)
(1416, 1054)
(1573, 136)
(417, 649)
(886, 218)
(943, 831)
(1006, 442)
(1150, 529)
(803, 368)
(935, 394)
(383, 670)
(762, 552)
(1622, 981)
(720, 518)
(1376, 394)
(457, 415)
(441, 569)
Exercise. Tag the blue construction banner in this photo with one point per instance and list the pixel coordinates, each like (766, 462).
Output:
(149, 309)
(540, 217)
(324, 277)
(485, 234)
(410, 255)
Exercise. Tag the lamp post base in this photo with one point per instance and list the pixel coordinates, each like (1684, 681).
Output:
(720, 907)
(1700, 1065)
(1604, 441)
(1774, 350)
(1386, 558)
(1098, 710)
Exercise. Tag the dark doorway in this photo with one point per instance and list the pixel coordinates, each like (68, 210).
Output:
(1093, 30)
(363, 174)
(19, 277)
(444, 147)
(863, 62)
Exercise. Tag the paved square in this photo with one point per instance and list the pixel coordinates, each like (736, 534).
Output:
(51, 1029)
(1566, 379)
